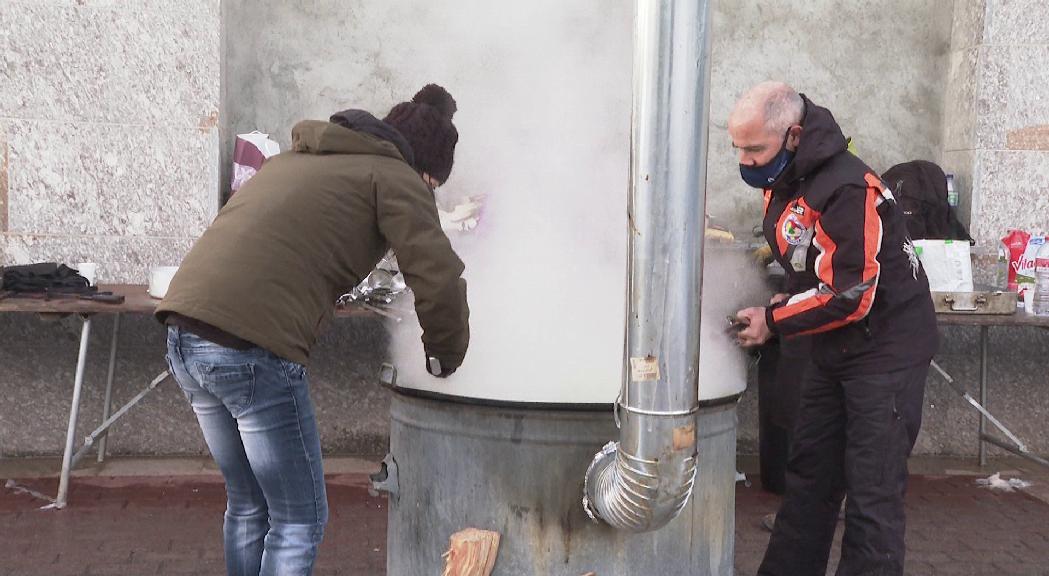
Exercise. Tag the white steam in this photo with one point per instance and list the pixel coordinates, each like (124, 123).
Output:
(543, 89)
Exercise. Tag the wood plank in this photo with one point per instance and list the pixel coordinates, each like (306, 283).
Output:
(471, 552)
(136, 301)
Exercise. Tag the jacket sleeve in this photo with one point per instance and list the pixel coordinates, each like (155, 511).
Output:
(848, 238)
(407, 218)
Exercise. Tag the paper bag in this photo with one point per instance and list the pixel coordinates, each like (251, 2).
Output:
(947, 263)
(250, 152)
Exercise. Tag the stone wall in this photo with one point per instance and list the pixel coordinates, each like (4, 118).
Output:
(109, 147)
(39, 356)
(996, 128)
(879, 66)
(108, 131)
(1016, 393)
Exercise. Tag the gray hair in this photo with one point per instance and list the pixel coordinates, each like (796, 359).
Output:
(783, 108)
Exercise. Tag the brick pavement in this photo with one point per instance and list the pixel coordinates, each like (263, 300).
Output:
(166, 526)
(953, 528)
(146, 526)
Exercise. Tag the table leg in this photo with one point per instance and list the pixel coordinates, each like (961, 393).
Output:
(1019, 447)
(74, 413)
(983, 393)
(103, 428)
(107, 405)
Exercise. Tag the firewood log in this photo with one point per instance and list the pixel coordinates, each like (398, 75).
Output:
(471, 552)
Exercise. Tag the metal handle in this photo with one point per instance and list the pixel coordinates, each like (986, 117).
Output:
(434, 365)
(956, 307)
(386, 479)
(388, 374)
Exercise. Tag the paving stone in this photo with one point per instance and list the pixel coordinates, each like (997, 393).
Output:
(954, 528)
(1009, 568)
(173, 526)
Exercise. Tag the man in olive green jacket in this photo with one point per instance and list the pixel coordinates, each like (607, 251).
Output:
(251, 297)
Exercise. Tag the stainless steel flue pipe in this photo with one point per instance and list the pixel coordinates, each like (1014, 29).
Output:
(641, 482)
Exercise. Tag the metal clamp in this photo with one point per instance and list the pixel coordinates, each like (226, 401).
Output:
(388, 374)
(385, 480)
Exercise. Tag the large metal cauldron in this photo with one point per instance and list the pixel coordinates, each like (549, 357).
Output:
(519, 472)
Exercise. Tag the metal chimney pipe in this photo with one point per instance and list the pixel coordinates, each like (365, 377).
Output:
(643, 481)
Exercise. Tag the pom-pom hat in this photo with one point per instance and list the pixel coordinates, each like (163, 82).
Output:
(426, 122)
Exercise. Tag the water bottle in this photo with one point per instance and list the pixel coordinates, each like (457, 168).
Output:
(1041, 281)
(952, 192)
(1001, 270)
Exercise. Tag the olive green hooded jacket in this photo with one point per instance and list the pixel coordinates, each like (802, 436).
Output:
(308, 227)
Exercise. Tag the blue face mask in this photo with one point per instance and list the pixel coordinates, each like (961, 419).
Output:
(764, 176)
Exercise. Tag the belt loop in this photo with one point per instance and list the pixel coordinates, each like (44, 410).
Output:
(176, 331)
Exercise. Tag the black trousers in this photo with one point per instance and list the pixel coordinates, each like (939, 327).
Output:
(781, 372)
(853, 436)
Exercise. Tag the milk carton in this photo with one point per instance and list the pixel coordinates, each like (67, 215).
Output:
(1025, 277)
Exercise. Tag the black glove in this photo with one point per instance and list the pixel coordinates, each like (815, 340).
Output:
(440, 367)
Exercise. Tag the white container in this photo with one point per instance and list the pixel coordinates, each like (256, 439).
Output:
(565, 346)
(89, 270)
(159, 279)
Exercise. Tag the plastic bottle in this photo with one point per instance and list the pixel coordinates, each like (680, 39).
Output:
(1041, 283)
(1001, 276)
(952, 192)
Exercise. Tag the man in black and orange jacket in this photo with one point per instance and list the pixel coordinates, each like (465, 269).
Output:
(859, 289)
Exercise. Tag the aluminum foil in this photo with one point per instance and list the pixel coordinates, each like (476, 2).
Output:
(380, 288)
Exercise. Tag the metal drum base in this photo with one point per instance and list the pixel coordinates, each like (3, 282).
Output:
(519, 472)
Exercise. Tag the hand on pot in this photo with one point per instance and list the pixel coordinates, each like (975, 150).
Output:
(757, 331)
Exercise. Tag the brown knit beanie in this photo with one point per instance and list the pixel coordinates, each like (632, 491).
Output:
(426, 122)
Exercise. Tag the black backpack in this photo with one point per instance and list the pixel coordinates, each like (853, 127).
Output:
(43, 277)
(920, 188)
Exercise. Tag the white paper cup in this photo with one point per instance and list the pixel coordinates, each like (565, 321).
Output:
(1029, 300)
(88, 270)
(159, 279)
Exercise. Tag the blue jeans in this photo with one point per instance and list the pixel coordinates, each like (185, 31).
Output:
(255, 412)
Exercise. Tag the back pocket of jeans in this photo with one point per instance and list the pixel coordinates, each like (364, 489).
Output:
(232, 384)
(178, 381)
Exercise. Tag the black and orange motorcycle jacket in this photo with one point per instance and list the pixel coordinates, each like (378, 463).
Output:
(855, 281)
